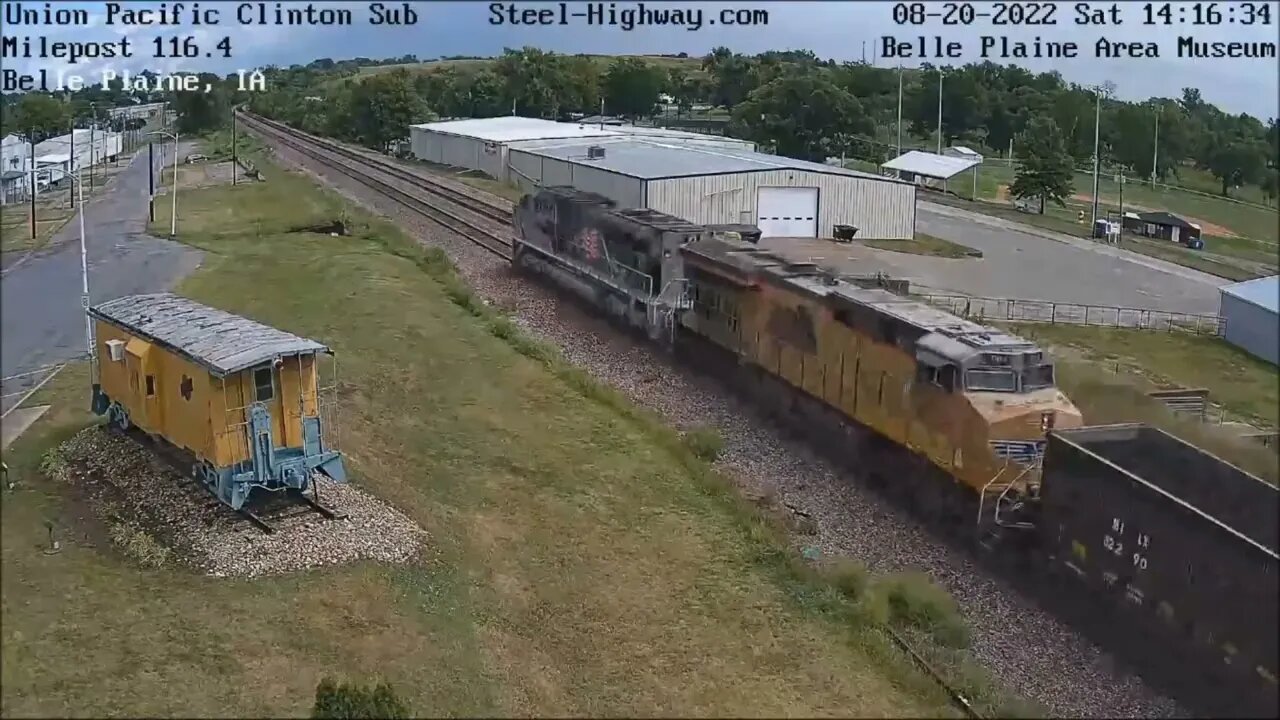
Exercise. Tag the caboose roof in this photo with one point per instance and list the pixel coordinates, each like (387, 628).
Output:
(221, 342)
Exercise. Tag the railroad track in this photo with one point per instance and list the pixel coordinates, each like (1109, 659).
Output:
(425, 199)
(265, 511)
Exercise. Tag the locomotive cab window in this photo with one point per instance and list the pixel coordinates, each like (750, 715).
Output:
(263, 385)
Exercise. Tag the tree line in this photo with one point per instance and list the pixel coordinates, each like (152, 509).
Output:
(791, 102)
(801, 106)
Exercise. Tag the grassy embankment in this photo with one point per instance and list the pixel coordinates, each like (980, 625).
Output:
(1108, 371)
(586, 559)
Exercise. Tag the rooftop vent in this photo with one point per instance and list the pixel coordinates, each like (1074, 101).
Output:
(595, 152)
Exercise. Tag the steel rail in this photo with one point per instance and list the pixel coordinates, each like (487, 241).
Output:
(454, 222)
(478, 205)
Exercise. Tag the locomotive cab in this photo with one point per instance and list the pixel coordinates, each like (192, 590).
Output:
(1009, 384)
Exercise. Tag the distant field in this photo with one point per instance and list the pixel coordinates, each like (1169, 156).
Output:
(1218, 217)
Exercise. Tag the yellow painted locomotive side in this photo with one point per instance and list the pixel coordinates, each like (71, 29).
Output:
(856, 360)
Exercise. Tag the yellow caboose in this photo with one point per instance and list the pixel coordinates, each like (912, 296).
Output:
(241, 398)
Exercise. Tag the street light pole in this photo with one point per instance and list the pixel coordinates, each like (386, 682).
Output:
(1097, 157)
(84, 280)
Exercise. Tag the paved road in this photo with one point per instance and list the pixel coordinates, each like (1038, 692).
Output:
(41, 321)
(1028, 263)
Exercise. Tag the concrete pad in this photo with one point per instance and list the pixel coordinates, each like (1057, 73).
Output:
(16, 422)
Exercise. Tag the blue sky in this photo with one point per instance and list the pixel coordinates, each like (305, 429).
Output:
(830, 29)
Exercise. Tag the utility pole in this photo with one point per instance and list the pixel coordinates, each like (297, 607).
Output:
(151, 181)
(899, 110)
(93, 125)
(939, 112)
(235, 158)
(1097, 157)
(1155, 150)
(1120, 227)
(31, 138)
(74, 164)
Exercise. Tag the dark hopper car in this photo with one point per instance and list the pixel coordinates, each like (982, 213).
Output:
(1177, 548)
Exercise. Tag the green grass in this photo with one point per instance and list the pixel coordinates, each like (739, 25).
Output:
(15, 226)
(585, 559)
(924, 244)
(1108, 371)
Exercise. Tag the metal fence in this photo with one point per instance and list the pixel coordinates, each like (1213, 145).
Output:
(1041, 311)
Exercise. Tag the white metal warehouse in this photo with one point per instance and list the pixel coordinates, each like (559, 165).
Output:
(1249, 312)
(784, 197)
(483, 143)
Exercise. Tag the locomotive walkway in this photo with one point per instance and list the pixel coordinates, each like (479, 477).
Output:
(41, 320)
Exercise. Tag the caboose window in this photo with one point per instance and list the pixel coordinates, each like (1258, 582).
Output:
(263, 386)
(151, 385)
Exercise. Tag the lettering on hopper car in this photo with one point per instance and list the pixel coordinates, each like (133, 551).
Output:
(1113, 543)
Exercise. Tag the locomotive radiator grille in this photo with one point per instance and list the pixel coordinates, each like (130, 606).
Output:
(1020, 451)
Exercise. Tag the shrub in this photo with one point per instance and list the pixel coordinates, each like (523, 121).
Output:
(849, 577)
(915, 601)
(351, 700)
(705, 442)
(140, 546)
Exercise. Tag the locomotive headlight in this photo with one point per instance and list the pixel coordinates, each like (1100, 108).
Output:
(1046, 421)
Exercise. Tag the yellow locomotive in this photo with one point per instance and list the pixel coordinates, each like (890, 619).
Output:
(974, 402)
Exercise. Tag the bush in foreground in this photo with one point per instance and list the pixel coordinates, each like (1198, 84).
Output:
(352, 700)
(915, 601)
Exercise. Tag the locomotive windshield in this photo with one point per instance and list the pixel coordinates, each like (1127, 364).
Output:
(1005, 375)
(991, 380)
(1037, 377)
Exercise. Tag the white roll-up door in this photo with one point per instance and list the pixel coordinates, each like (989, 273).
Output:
(787, 211)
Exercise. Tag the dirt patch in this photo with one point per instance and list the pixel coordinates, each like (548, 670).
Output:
(157, 516)
(1002, 193)
(206, 174)
(1206, 227)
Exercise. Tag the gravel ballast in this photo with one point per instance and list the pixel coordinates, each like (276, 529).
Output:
(1024, 646)
(130, 487)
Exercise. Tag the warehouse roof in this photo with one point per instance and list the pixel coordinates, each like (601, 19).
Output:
(512, 128)
(218, 340)
(930, 164)
(1263, 292)
(652, 160)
